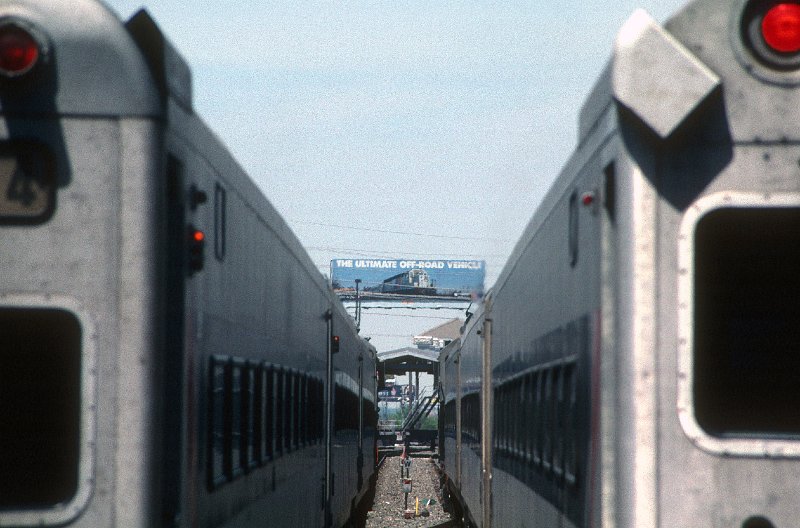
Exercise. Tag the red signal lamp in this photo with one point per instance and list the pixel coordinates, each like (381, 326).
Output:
(196, 253)
(19, 50)
(781, 27)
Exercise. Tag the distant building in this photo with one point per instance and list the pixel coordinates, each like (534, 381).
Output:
(437, 338)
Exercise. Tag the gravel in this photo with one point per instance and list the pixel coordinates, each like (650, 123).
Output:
(388, 509)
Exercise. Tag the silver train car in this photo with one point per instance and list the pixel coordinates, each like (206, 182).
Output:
(637, 362)
(170, 355)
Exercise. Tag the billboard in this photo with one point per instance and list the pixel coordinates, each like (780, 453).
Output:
(387, 279)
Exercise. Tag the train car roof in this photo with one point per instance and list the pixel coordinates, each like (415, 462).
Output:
(625, 81)
(90, 63)
(451, 347)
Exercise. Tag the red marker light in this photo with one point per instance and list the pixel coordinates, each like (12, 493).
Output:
(19, 51)
(196, 249)
(781, 27)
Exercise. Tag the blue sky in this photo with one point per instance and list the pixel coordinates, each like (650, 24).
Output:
(397, 129)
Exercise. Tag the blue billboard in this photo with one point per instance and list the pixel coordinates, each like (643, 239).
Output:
(387, 279)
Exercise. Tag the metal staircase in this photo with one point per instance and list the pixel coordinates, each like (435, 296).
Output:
(420, 410)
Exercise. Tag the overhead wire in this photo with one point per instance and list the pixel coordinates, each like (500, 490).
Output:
(411, 233)
(413, 316)
(369, 253)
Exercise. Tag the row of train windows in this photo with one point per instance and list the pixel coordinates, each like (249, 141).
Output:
(535, 421)
(449, 419)
(471, 420)
(259, 412)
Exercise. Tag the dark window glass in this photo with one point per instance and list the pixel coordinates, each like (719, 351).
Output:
(259, 401)
(302, 402)
(269, 412)
(747, 322)
(237, 419)
(558, 420)
(539, 420)
(573, 228)
(40, 407)
(571, 433)
(280, 412)
(218, 384)
(248, 412)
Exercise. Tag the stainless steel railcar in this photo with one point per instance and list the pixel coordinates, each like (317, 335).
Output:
(636, 363)
(167, 348)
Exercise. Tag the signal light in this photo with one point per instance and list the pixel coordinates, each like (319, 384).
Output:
(335, 344)
(770, 33)
(781, 27)
(197, 242)
(19, 50)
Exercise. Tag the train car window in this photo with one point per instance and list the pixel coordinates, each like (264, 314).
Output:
(571, 435)
(506, 443)
(471, 420)
(528, 420)
(237, 418)
(268, 434)
(519, 396)
(313, 405)
(319, 421)
(249, 414)
(499, 418)
(303, 413)
(503, 440)
(340, 409)
(220, 220)
(291, 407)
(547, 421)
(746, 338)
(450, 418)
(508, 395)
(510, 418)
(280, 411)
(559, 433)
(218, 408)
(465, 430)
(297, 409)
(610, 190)
(311, 410)
(259, 401)
(40, 391)
(539, 419)
(27, 183)
(573, 228)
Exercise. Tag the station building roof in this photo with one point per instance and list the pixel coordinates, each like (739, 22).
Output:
(439, 336)
(409, 359)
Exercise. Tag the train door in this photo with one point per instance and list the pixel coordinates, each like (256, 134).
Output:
(457, 365)
(360, 459)
(174, 291)
(487, 442)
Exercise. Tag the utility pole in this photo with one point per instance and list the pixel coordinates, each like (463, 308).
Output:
(358, 306)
